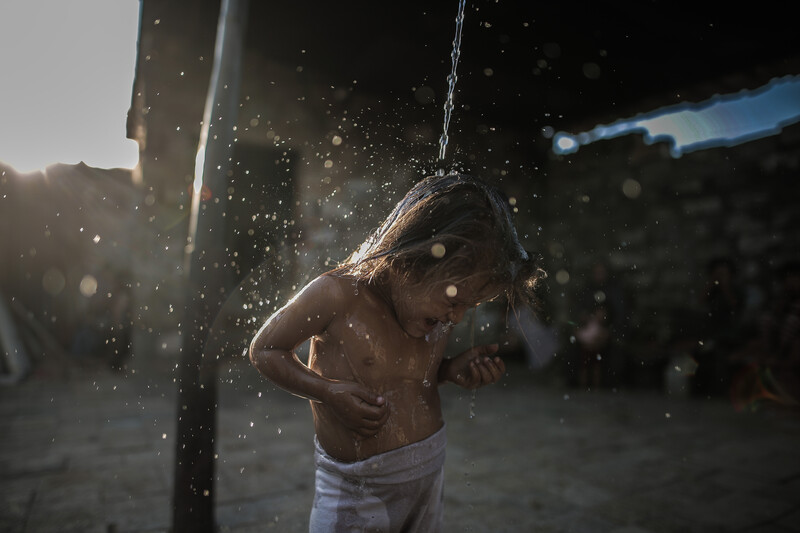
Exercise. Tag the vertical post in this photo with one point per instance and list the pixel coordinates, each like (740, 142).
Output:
(205, 260)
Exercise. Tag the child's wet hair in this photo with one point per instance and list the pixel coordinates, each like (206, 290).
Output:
(449, 228)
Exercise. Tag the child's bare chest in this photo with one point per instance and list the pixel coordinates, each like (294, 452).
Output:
(368, 346)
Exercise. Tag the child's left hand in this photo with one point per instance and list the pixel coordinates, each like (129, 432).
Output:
(474, 368)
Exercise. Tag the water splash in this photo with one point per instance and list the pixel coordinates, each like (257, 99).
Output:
(451, 85)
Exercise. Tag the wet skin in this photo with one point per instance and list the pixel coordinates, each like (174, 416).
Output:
(375, 361)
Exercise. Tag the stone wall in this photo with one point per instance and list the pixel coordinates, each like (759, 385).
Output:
(657, 221)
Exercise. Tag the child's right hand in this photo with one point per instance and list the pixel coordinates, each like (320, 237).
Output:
(357, 408)
(474, 368)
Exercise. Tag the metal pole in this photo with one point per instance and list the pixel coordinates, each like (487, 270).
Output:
(193, 503)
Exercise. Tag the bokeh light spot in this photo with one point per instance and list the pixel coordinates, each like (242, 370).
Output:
(53, 281)
(631, 188)
(591, 70)
(424, 95)
(88, 285)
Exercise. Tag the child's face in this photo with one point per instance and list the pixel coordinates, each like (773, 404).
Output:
(420, 308)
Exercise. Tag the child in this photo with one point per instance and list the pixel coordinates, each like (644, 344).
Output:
(378, 326)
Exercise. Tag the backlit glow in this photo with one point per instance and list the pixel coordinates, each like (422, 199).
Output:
(725, 120)
(67, 69)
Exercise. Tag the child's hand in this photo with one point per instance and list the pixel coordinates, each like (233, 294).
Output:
(359, 409)
(475, 368)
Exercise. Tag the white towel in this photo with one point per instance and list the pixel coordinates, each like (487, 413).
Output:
(401, 490)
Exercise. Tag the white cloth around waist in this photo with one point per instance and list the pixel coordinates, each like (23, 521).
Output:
(400, 465)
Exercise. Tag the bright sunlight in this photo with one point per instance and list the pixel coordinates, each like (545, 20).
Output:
(67, 71)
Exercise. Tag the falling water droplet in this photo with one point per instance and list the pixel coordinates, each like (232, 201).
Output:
(472, 405)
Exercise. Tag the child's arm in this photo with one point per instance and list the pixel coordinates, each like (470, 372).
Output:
(473, 368)
(272, 353)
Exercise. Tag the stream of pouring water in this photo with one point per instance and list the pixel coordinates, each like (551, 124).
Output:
(443, 140)
(451, 85)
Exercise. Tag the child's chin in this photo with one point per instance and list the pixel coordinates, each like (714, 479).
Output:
(427, 326)
(415, 330)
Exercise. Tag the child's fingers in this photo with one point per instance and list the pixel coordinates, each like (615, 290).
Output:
(487, 349)
(485, 370)
(496, 367)
(371, 398)
(501, 365)
(373, 412)
(367, 432)
(371, 425)
(477, 373)
(489, 370)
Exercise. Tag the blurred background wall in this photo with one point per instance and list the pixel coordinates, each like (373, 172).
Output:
(340, 112)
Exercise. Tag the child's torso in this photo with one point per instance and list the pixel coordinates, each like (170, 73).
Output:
(365, 344)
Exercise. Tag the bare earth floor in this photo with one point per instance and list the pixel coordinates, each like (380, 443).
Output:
(90, 450)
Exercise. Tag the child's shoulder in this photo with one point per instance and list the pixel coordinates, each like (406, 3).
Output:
(334, 293)
(332, 286)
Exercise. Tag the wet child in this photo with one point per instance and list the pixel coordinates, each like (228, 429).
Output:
(378, 325)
